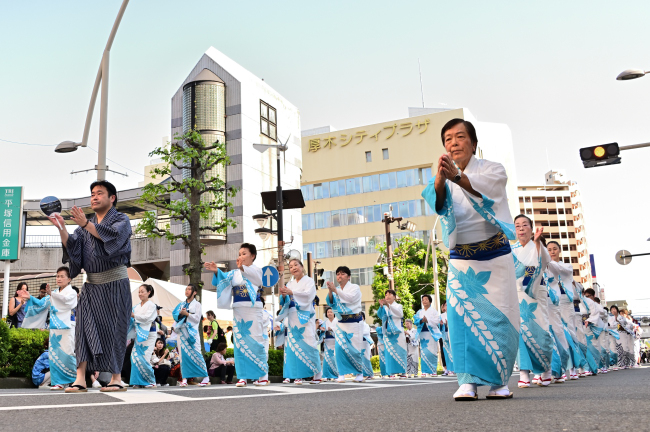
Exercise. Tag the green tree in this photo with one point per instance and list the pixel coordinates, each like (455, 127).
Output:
(411, 281)
(204, 194)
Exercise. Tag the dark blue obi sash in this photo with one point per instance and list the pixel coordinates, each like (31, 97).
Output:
(424, 328)
(329, 334)
(351, 318)
(153, 327)
(240, 294)
(494, 247)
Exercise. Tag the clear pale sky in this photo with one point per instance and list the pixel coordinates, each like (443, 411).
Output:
(546, 69)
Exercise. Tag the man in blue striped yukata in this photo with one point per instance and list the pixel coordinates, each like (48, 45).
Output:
(101, 246)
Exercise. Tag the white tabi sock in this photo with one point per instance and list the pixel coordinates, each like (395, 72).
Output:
(265, 378)
(546, 375)
(342, 377)
(205, 380)
(318, 376)
(358, 378)
(500, 390)
(524, 375)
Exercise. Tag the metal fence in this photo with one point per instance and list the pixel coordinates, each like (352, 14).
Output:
(42, 241)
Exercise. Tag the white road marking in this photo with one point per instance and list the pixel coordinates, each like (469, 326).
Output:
(132, 397)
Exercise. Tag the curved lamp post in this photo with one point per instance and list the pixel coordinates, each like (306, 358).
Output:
(102, 77)
(629, 74)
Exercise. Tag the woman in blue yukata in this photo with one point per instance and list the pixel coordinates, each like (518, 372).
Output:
(239, 290)
(469, 195)
(188, 315)
(330, 370)
(301, 352)
(59, 303)
(145, 334)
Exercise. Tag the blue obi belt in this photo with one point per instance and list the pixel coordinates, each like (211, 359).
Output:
(425, 328)
(240, 294)
(329, 334)
(351, 318)
(485, 250)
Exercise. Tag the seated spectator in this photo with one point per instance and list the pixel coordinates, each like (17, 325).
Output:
(220, 367)
(41, 369)
(160, 360)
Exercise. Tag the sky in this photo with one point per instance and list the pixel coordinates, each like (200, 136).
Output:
(545, 69)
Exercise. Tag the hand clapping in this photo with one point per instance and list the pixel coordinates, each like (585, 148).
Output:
(446, 168)
(78, 216)
(210, 266)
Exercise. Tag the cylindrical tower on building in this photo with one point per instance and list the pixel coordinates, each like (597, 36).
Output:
(204, 109)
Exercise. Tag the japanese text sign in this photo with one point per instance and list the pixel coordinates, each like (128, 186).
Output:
(11, 210)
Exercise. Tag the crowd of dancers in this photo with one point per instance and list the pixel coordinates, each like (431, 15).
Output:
(507, 303)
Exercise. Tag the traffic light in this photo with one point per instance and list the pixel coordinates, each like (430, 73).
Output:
(320, 282)
(606, 154)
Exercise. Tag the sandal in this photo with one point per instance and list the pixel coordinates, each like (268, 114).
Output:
(498, 396)
(56, 387)
(76, 388)
(111, 388)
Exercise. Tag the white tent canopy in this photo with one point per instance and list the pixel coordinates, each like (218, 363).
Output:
(169, 295)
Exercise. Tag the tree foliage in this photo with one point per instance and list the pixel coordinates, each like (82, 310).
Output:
(411, 281)
(203, 193)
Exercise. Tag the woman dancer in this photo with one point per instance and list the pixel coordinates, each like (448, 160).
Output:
(368, 373)
(142, 322)
(239, 290)
(427, 321)
(446, 345)
(391, 314)
(412, 349)
(535, 341)
(329, 361)
(560, 277)
(302, 356)
(59, 302)
(188, 318)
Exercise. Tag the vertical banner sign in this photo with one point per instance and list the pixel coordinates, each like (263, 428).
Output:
(11, 211)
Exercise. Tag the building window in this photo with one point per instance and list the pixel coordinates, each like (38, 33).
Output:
(268, 120)
(368, 157)
(384, 152)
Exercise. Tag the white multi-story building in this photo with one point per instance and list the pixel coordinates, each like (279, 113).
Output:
(228, 103)
(557, 207)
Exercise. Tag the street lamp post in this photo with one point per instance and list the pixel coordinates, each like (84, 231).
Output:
(389, 219)
(629, 74)
(102, 77)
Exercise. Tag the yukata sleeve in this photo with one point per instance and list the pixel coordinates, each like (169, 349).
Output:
(73, 252)
(66, 300)
(350, 295)
(253, 274)
(446, 212)
(147, 313)
(492, 205)
(116, 235)
(223, 282)
(304, 291)
(194, 317)
(396, 310)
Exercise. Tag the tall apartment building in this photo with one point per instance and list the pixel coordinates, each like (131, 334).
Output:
(226, 102)
(557, 207)
(351, 177)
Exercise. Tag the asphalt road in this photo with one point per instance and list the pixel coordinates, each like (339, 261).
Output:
(615, 401)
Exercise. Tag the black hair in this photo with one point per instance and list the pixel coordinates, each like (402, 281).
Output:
(527, 218)
(316, 301)
(543, 240)
(261, 291)
(429, 297)
(43, 286)
(21, 284)
(149, 289)
(597, 300)
(194, 288)
(221, 346)
(327, 309)
(65, 269)
(230, 327)
(614, 307)
(363, 314)
(590, 291)
(390, 291)
(556, 243)
(75, 289)
(162, 350)
(344, 269)
(251, 248)
(109, 188)
(471, 131)
(210, 312)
